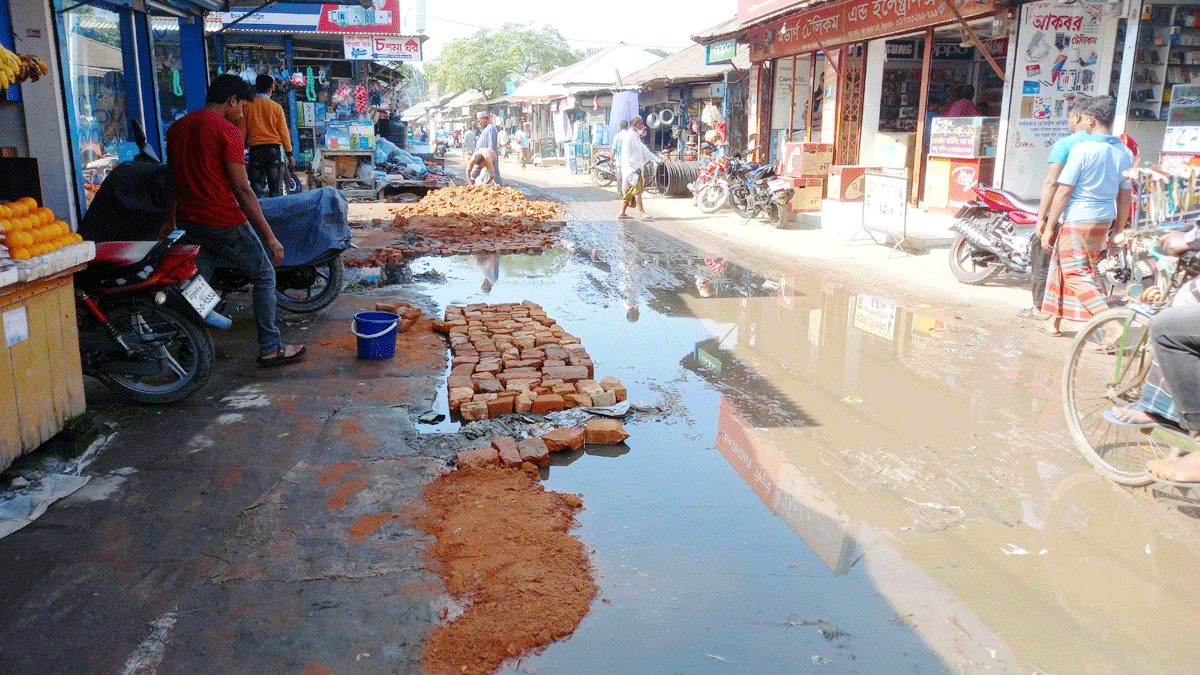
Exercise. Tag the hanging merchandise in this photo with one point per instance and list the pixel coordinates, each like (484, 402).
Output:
(311, 91)
(595, 103)
(342, 95)
(175, 86)
(360, 99)
(711, 114)
(298, 79)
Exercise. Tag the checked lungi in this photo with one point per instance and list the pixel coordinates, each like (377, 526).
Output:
(1072, 291)
(1155, 397)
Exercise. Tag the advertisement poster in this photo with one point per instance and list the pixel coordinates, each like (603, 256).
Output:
(875, 316)
(381, 17)
(1061, 53)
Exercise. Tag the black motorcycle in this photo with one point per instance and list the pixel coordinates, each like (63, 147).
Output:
(131, 205)
(604, 172)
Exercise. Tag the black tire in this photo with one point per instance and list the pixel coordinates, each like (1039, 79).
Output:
(180, 344)
(1094, 381)
(778, 214)
(598, 180)
(742, 202)
(712, 197)
(964, 265)
(327, 280)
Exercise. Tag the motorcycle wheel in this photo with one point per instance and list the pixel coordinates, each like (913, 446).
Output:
(965, 266)
(598, 180)
(324, 283)
(712, 197)
(184, 350)
(742, 202)
(778, 214)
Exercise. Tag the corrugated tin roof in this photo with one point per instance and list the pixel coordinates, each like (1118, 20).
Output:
(731, 28)
(685, 65)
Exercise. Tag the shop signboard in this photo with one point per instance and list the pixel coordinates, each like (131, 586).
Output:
(1058, 57)
(875, 316)
(720, 52)
(885, 207)
(382, 17)
(852, 21)
(381, 48)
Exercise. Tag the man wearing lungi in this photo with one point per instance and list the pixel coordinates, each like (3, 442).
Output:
(1091, 192)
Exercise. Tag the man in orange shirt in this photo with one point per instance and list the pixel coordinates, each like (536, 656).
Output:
(266, 131)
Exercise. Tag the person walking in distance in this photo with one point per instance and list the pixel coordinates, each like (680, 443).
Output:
(1039, 258)
(265, 131)
(634, 155)
(524, 144)
(469, 142)
(1092, 192)
(214, 204)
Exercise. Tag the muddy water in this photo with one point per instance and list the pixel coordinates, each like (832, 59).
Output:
(845, 484)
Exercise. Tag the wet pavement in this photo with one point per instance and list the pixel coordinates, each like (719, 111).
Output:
(843, 481)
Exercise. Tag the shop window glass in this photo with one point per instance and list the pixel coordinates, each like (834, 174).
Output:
(168, 65)
(98, 82)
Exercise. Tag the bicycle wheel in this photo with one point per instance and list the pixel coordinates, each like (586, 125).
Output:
(1095, 379)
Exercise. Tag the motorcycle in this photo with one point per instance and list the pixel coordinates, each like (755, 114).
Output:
(757, 189)
(440, 147)
(140, 308)
(131, 203)
(996, 233)
(710, 190)
(604, 172)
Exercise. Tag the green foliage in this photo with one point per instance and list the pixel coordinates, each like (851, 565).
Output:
(489, 58)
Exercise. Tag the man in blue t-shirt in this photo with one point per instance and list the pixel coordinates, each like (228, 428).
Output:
(1039, 258)
(1092, 192)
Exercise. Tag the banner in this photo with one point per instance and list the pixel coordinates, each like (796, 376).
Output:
(381, 48)
(384, 17)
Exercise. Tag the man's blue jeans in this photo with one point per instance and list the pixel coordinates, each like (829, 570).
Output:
(241, 247)
(1176, 334)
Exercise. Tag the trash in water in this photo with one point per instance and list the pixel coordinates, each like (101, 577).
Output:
(852, 399)
(431, 417)
(819, 660)
(830, 633)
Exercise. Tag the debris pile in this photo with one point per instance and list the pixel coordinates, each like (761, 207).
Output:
(510, 358)
(471, 219)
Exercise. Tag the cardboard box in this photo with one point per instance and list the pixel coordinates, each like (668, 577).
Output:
(362, 135)
(337, 135)
(809, 193)
(328, 169)
(895, 149)
(347, 166)
(807, 159)
(846, 182)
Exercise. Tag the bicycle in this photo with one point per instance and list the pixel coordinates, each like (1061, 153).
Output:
(1100, 373)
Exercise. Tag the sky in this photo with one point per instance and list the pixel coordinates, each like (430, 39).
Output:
(663, 24)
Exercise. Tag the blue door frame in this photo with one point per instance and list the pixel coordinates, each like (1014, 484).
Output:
(141, 92)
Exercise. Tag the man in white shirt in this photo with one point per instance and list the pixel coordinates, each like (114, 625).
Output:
(524, 145)
(632, 156)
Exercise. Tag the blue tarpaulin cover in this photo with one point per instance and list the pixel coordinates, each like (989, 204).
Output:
(308, 223)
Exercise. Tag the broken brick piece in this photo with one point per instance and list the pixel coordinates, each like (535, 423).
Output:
(459, 382)
(604, 398)
(547, 403)
(567, 373)
(563, 389)
(523, 403)
(475, 410)
(506, 447)
(577, 400)
(489, 386)
(390, 307)
(534, 450)
(604, 431)
(500, 406)
(459, 396)
(485, 457)
(563, 438)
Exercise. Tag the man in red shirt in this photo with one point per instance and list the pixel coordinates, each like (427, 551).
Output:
(213, 200)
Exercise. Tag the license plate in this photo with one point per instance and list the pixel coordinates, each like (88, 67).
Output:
(200, 295)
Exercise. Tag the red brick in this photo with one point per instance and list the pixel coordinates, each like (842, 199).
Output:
(506, 447)
(586, 363)
(534, 450)
(566, 373)
(553, 363)
(459, 381)
(563, 438)
(577, 400)
(500, 406)
(492, 367)
(465, 369)
(485, 457)
(466, 358)
(489, 386)
(563, 389)
(459, 396)
(475, 410)
(547, 403)
(604, 398)
(604, 431)
(614, 385)
(523, 403)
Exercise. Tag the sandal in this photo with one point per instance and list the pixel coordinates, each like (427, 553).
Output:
(1031, 313)
(1041, 328)
(281, 357)
(624, 217)
(1102, 348)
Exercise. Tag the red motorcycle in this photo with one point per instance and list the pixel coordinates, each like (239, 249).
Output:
(141, 307)
(710, 190)
(996, 233)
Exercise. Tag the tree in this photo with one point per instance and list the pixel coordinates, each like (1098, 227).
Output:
(489, 58)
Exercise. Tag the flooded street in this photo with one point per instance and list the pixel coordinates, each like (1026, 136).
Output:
(843, 483)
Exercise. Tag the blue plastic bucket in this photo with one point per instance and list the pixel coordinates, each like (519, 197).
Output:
(376, 333)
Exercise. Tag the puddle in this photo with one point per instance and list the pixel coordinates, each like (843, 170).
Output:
(837, 456)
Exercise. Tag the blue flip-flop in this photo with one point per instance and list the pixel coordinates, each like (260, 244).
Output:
(1111, 417)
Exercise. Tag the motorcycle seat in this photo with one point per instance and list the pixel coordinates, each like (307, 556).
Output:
(1022, 204)
(110, 254)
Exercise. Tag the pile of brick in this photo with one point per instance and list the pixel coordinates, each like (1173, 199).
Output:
(513, 358)
(473, 219)
(408, 314)
(508, 452)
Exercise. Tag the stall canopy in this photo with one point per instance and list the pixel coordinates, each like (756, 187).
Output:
(687, 65)
(605, 69)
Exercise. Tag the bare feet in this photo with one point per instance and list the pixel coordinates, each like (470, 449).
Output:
(1132, 415)
(1183, 469)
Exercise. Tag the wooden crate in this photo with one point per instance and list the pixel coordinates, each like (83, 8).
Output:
(41, 379)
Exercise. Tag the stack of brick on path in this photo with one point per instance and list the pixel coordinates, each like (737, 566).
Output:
(513, 358)
(473, 219)
(508, 452)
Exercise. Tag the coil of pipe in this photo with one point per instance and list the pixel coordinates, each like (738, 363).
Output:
(673, 177)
